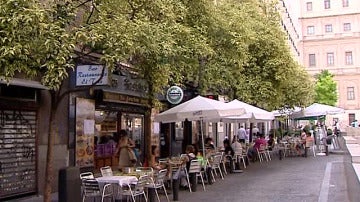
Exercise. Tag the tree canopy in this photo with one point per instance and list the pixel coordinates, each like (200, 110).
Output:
(230, 47)
(325, 88)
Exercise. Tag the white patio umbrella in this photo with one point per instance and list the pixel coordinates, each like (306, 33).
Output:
(199, 109)
(252, 113)
(317, 110)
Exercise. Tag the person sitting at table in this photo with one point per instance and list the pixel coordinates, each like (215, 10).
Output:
(271, 142)
(186, 160)
(252, 153)
(229, 153)
(153, 159)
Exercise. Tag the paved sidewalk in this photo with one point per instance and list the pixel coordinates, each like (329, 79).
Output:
(296, 179)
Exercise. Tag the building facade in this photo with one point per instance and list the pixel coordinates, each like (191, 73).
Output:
(331, 41)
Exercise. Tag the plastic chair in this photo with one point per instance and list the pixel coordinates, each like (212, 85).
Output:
(158, 182)
(92, 189)
(106, 171)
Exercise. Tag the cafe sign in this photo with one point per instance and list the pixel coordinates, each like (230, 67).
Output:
(174, 95)
(87, 75)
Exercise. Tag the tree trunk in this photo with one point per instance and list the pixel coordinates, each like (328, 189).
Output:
(49, 175)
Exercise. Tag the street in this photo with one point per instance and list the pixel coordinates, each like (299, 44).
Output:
(320, 178)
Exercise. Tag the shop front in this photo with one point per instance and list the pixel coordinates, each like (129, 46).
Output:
(18, 138)
(99, 115)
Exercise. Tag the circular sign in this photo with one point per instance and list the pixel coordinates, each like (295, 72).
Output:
(174, 95)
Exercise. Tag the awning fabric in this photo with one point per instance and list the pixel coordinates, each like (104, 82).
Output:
(23, 83)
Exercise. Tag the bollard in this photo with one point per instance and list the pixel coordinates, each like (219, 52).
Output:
(208, 175)
(151, 194)
(306, 151)
(193, 181)
(175, 189)
(280, 154)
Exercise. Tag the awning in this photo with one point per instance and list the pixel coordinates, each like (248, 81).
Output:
(23, 83)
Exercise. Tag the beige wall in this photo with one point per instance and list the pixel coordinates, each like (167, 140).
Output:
(338, 42)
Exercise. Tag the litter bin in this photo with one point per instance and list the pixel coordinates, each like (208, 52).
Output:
(69, 184)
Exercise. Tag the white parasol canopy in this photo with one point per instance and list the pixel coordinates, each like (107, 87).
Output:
(252, 113)
(317, 110)
(199, 108)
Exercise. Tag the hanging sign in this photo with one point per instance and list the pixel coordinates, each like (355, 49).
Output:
(174, 95)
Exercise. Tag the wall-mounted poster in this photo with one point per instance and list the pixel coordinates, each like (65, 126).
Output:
(85, 129)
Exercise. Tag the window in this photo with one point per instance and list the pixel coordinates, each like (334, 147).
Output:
(350, 93)
(326, 4)
(347, 26)
(351, 119)
(311, 30)
(330, 59)
(309, 6)
(328, 28)
(345, 3)
(348, 58)
(312, 61)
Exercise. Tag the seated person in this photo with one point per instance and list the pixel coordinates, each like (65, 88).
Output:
(236, 146)
(253, 151)
(229, 153)
(186, 160)
(271, 142)
(153, 163)
(209, 147)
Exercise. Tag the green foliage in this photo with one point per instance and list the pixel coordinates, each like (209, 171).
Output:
(325, 88)
(35, 40)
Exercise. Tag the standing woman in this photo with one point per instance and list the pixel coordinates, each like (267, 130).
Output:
(124, 149)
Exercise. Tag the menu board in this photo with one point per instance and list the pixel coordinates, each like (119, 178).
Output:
(85, 129)
(17, 152)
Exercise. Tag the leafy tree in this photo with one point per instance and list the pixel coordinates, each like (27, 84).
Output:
(325, 88)
(37, 41)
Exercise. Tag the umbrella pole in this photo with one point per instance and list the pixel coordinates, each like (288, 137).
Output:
(202, 137)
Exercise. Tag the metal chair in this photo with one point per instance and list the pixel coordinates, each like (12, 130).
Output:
(261, 151)
(106, 171)
(138, 189)
(215, 165)
(91, 189)
(309, 145)
(195, 167)
(87, 175)
(158, 182)
(145, 170)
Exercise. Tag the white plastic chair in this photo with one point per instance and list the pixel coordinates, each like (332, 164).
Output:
(195, 167)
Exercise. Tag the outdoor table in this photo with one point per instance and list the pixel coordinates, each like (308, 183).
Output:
(116, 179)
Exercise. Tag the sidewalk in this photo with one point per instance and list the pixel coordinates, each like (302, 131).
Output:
(321, 178)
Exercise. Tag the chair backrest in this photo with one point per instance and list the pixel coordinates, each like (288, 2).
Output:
(144, 170)
(106, 171)
(90, 186)
(217, 160)
(262, 147)
(87, 175)
(142, 182)
(195, 166)
(160, 177)
(309, 143)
